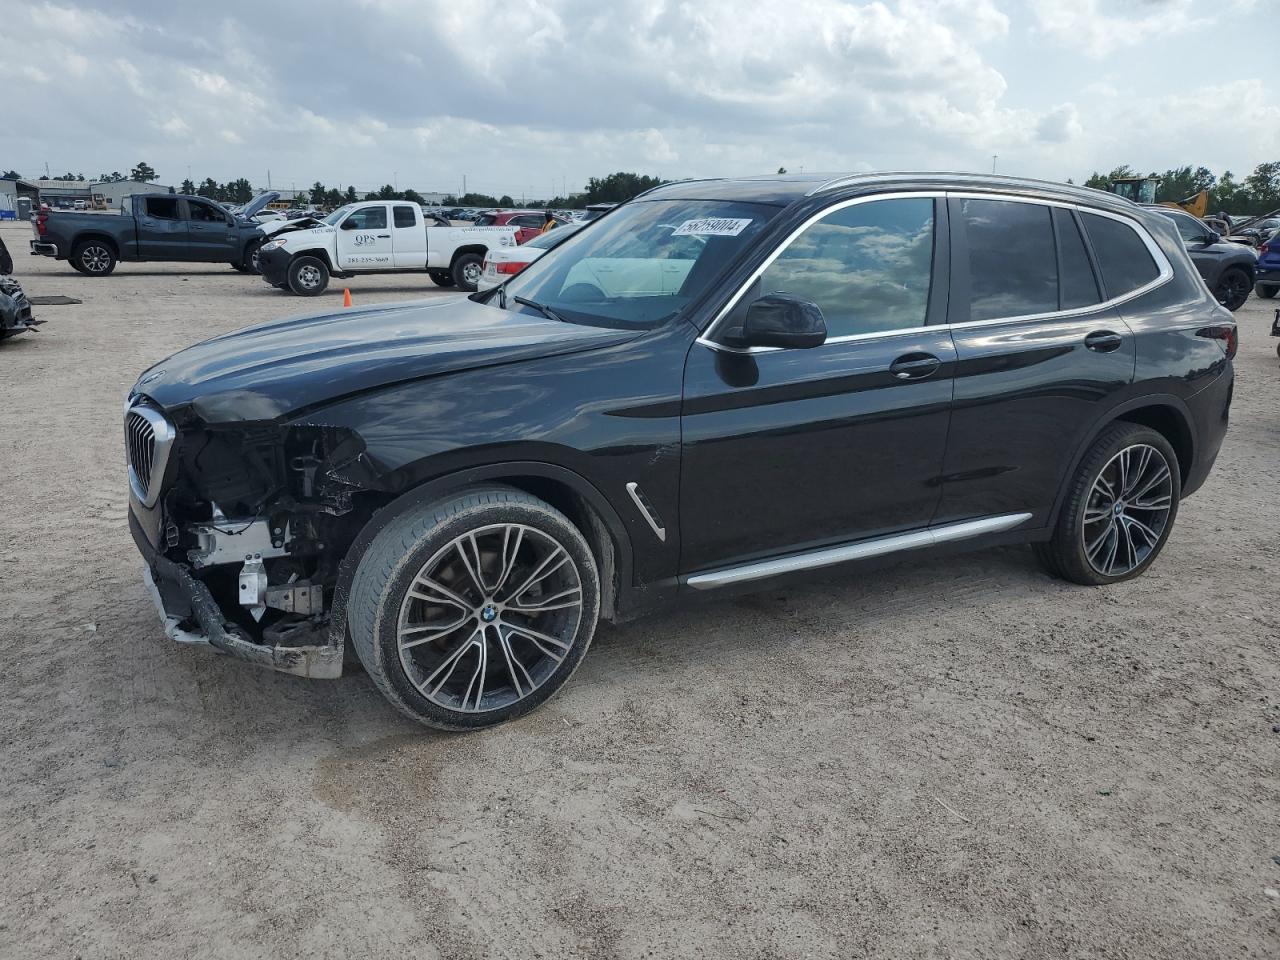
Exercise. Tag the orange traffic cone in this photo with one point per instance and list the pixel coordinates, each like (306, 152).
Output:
(346, 296)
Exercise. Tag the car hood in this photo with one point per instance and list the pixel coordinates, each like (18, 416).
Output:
(259, 203)
(281, 368)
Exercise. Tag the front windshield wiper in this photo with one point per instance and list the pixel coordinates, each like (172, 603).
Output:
(542, 308)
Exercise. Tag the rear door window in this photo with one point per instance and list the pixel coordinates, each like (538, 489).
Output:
(1077, 285)
(163, 208)
(404, 217)
(1123, 257)
(1012, 262)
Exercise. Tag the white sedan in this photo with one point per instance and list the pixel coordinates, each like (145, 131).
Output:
(501, 264)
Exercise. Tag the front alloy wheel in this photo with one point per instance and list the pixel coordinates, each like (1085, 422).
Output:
(474, 610)
(489, 618)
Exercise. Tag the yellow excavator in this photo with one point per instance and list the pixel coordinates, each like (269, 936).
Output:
(1143, 190)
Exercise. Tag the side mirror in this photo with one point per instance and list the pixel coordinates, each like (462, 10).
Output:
(783, 320)
(349, 224)
(1211, 237)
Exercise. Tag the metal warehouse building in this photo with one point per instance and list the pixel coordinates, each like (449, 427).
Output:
(119, 191)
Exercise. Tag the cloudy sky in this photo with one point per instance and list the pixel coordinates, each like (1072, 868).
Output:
(524, 96)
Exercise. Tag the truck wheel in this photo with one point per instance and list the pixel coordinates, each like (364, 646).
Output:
(308, 276)
(475, 609)
(1265, 291)
(466, 271)
(93, 258)
(250, 262)
(441, 278)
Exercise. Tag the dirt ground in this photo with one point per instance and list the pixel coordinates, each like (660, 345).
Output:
(949, 758)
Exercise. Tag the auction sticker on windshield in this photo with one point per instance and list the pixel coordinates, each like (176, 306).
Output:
(711, 227)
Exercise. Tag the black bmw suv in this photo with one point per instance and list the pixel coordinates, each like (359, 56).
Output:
(717, 385)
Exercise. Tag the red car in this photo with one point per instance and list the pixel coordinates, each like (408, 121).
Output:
(529, 221)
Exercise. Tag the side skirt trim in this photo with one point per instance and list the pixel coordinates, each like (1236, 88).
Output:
(829, 556)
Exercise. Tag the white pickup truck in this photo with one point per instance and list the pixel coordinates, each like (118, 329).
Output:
(376, 236)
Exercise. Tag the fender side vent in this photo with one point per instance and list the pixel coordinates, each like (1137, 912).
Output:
(647, 511)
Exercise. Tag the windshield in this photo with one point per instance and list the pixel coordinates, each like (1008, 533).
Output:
(642, 264)
(333, 218)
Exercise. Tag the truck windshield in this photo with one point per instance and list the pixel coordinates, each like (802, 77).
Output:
(333, 218)
(643, 263)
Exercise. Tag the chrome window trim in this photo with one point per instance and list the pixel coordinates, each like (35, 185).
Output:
(1162, 264)
(829, 556)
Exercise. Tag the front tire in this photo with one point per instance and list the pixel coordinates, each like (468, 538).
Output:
(474, 610)
(1119, 510)
(1265, 291)
(93, 258)
(441, 278)
(466, 271)
(308, 276)
(1233, 288)
(250, 262)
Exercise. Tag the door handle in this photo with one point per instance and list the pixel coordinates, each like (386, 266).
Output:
(384, 236)
(914, 366)
(1103, 341)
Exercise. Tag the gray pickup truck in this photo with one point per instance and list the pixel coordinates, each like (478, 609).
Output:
(156, 227)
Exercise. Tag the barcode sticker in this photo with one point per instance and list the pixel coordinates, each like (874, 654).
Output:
(711, 227)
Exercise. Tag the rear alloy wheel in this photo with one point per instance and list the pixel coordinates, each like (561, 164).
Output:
(1265, 291)
(472, 611)
(466, 271)
(308, 276)
(94, 258)
(1119, 511)
(1233, 289)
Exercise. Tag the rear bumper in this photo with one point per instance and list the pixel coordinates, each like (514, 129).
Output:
(190, 615)
(40, 248)
(1211, 408)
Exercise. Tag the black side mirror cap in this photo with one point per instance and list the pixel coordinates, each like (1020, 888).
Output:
(1212, 237)
(783, 320)
(349, 224)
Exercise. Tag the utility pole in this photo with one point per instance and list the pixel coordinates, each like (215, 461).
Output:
(464, 184)
(268, 178)
(994, 158)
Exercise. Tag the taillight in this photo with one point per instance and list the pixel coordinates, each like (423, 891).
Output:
(1264, 250)
(509, 266)
(1227, 334)
(42, 224)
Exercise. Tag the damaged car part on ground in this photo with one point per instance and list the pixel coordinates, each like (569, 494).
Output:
(721, 385)
(15, 309)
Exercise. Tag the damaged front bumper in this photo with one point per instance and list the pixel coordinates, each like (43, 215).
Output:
(191, 616)
(15, 309)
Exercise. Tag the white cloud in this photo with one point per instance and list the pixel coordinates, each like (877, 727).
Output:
(425, 92)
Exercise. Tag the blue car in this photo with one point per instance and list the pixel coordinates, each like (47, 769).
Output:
(1267, 272)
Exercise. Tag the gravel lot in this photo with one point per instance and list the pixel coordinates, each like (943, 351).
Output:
(956, 758)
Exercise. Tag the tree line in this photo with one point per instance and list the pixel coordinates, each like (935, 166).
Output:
(1257, 193)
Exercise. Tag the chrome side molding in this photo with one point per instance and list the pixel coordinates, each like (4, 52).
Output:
(646, 510)
(829, 556)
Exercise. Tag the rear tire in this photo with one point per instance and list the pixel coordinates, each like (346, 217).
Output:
(93, 258)
(1119, 509)
(433, 608)
(441, 278)
(1265, 291)
(466, 271)
(308, 276)
(1233, 288)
